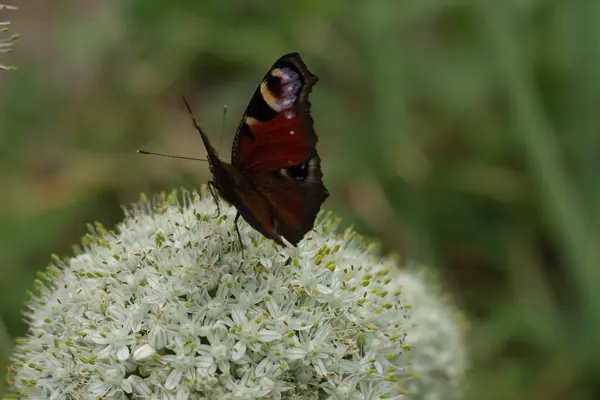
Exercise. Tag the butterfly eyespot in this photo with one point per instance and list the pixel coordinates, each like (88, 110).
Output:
(297, 172)
(280, 88)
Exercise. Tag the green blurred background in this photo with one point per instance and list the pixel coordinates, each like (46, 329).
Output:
(460, 134)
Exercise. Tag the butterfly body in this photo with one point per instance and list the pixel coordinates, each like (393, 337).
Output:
(274, 179)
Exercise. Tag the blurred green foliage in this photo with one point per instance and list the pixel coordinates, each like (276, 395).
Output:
(461, 134)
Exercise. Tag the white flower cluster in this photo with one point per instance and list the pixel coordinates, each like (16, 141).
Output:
(6, 43)
(167, 309)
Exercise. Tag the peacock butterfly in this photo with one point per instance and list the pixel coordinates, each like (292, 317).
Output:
(274, 179)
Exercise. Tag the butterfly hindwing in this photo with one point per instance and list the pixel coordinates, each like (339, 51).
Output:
(295, 203)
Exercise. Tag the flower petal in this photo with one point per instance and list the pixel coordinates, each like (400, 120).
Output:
(173, 379)
(267, 335)
(123, 353)
(143, 353)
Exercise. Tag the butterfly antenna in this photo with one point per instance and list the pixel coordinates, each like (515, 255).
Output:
(151, 153)
(222, 128)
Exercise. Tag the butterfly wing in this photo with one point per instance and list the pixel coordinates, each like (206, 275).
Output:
(222, 172)
(275, 148)
(250, 203)
(277, 129)
(295, 203)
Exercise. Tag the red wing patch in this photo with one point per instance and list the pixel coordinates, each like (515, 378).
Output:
(278, 143)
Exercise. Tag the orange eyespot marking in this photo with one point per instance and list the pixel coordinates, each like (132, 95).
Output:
(277, 72)
(269, 97)
(284, 85)
(251, 121)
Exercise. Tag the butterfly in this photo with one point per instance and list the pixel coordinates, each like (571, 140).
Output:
(274, 179)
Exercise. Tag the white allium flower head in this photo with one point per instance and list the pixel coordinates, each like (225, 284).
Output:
(6, 40)
(166, 308)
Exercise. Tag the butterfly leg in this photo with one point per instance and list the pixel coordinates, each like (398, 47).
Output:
(213, 192)
(237, 230)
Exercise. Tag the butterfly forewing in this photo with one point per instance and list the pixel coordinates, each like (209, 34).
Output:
(276, 131)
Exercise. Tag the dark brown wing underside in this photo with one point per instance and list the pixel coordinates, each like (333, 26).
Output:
(295, 204)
